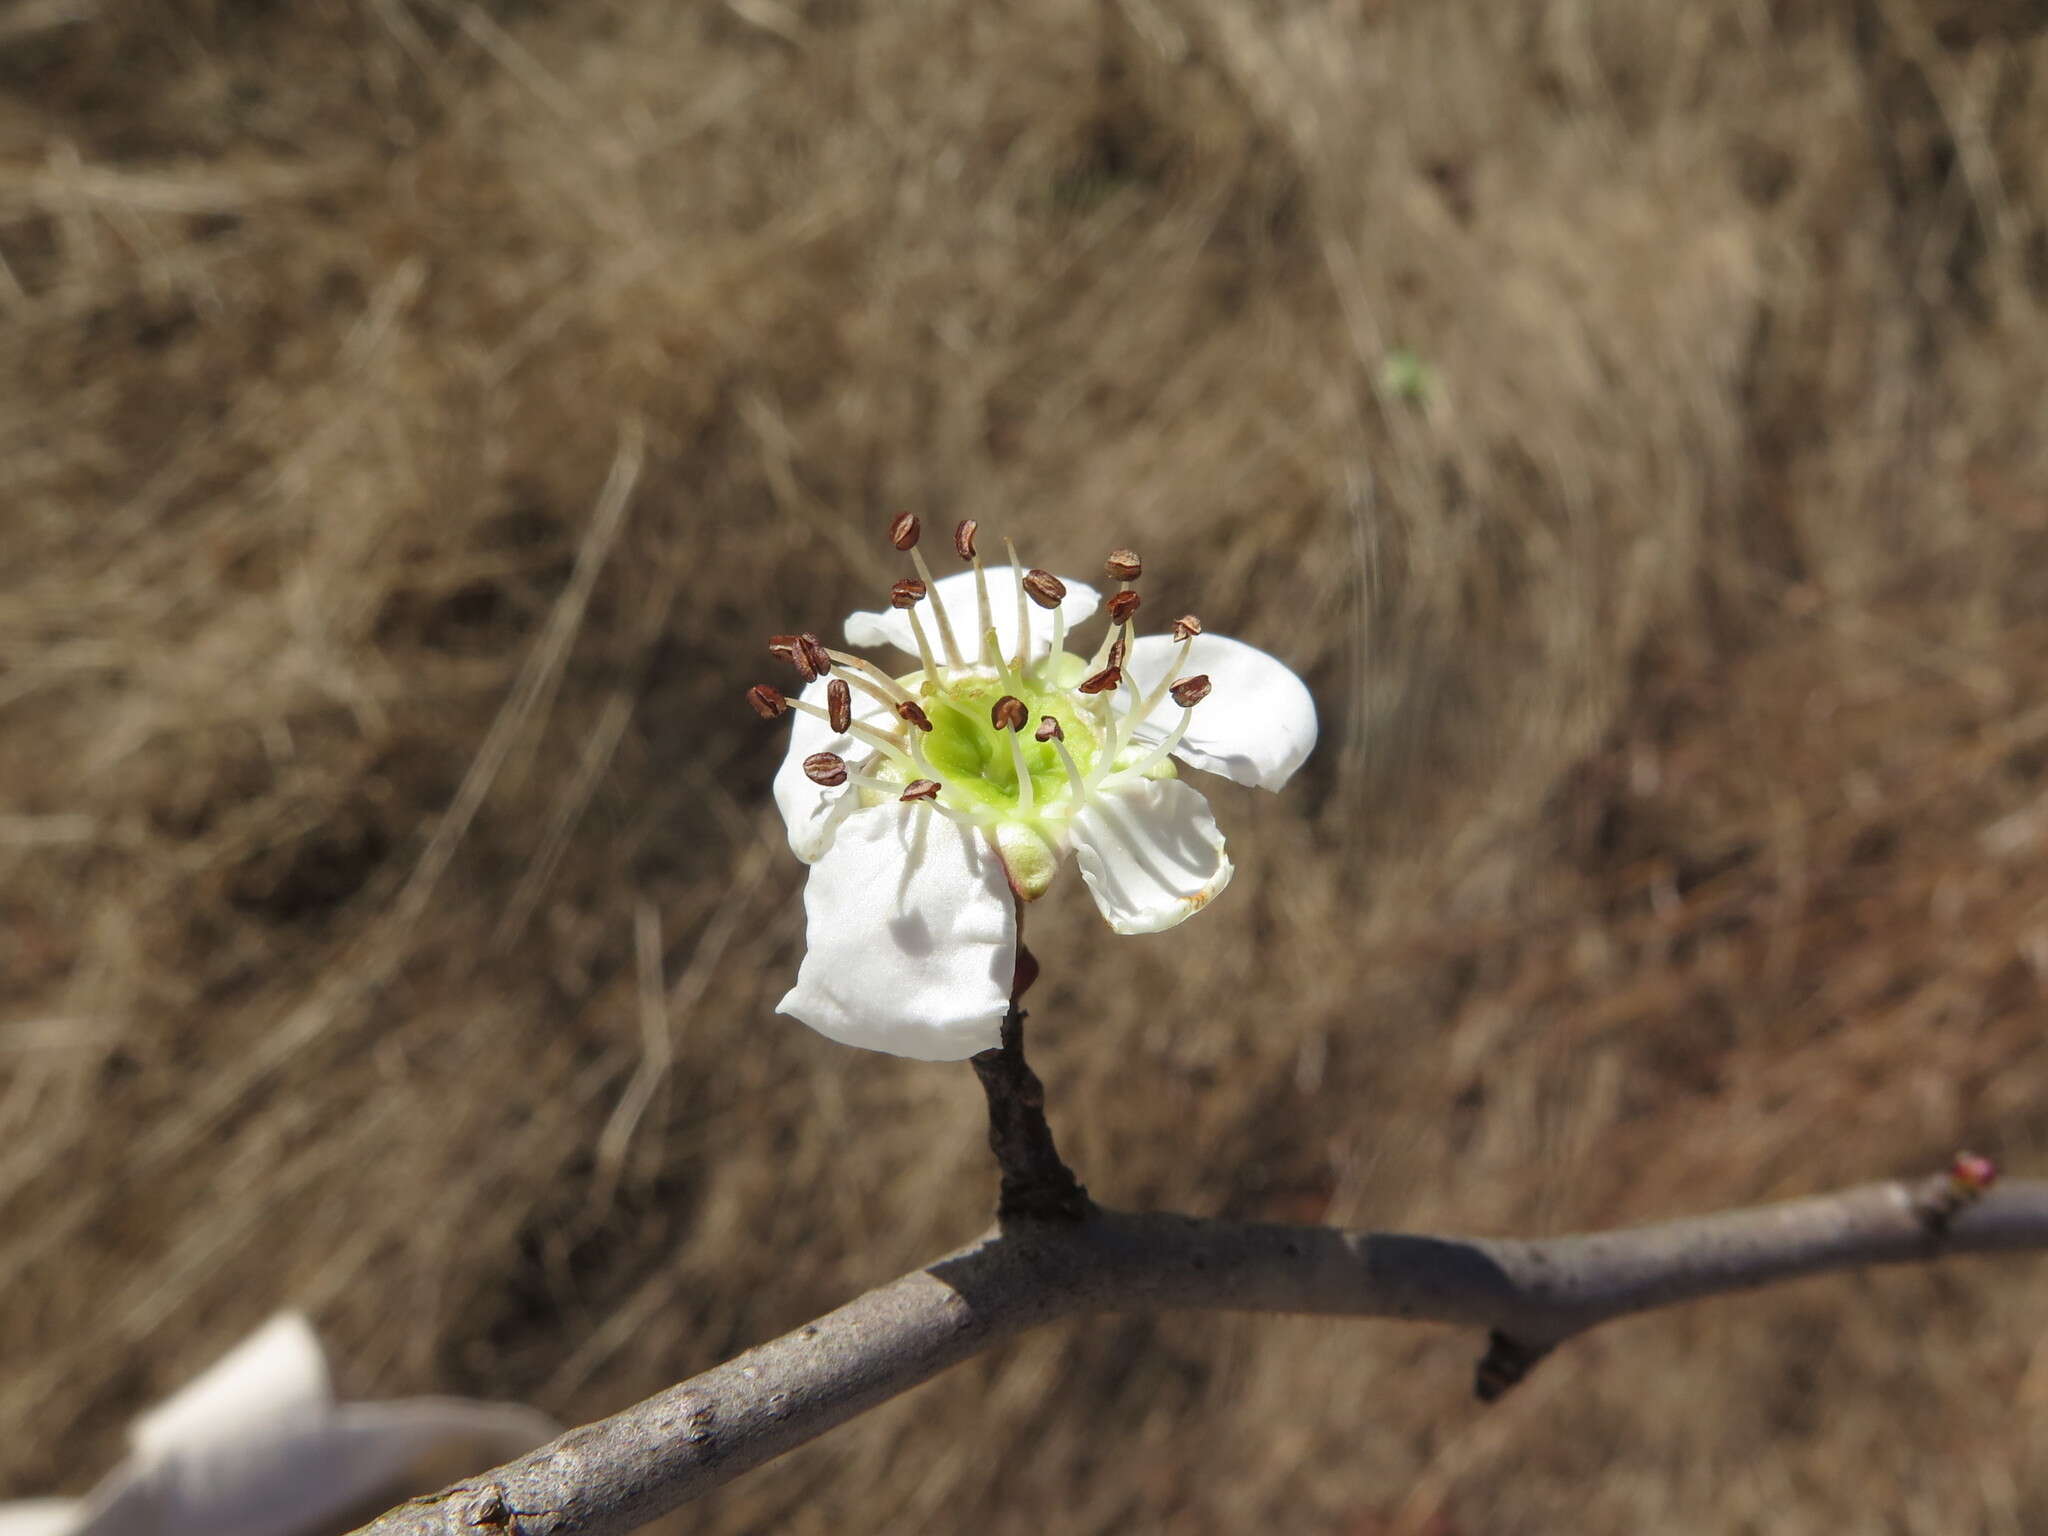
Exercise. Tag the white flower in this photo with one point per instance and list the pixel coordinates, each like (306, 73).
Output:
(930, 803)
(258, 1446)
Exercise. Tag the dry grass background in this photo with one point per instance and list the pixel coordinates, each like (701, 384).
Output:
(415, 413)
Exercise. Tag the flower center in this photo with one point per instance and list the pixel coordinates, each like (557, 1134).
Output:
(986, 732)
(977, 760)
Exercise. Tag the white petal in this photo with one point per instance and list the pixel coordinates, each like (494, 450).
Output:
(1151, 854)
(1258, 723)
(40, 1517)
(912, 941)
(957, 595)
(297, 1476)
(810, 810)
(256, 1446)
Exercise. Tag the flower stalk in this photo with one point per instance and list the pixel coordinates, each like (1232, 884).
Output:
(1037, 1184)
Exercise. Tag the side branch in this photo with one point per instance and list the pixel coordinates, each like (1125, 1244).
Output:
(613, 1476)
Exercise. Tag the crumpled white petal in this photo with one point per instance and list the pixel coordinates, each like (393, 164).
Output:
(956, 594)
(1151, 854)
(1256, 727)
(258, 1447)
(912, 942)
(809, 809)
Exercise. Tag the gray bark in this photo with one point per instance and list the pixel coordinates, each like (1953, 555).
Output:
(613, 1476)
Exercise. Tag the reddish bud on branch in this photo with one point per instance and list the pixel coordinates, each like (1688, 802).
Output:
(1973, 1172)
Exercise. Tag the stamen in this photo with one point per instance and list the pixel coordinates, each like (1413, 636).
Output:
(1070, 764)
(1165, 684)
(989, 650)
(889, 697)
(1186, 627)
(1023, 614)
(1158, 753)
(815, 654)
(1187, 693)
(1027, 792)
(1049, 730)
(768, 701)
(1004, 670)
(1122, 606)
(1048, 591)
(839, 704)
(881, 684)
(910, 712)
(860, 730)
(924, 646)
(1103, 681)
(1044, 588)
(963, 538)
(790, 648)
(945, 623)
(904, 529)
(1120, 648)
(1124, 565)
(826, 768)
(1009, 714)
(907, 593)
(918, 790)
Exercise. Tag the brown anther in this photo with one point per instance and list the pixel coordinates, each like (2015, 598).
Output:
(1102, 681)
(1117, 648)
(913, 712)
(768, 701)
(1009, 714)
(839, 705)
(791, 649)
(1190, 691)
(904, 529)
(907, 593)
(815, 653)
(1186, 627)
(1124, 565)
(1044, 588)
(1049, 729)
(920, 789)
(826, 768)
(963, 538)
(1122, 606)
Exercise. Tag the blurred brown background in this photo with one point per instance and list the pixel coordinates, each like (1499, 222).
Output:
(1628, 417)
